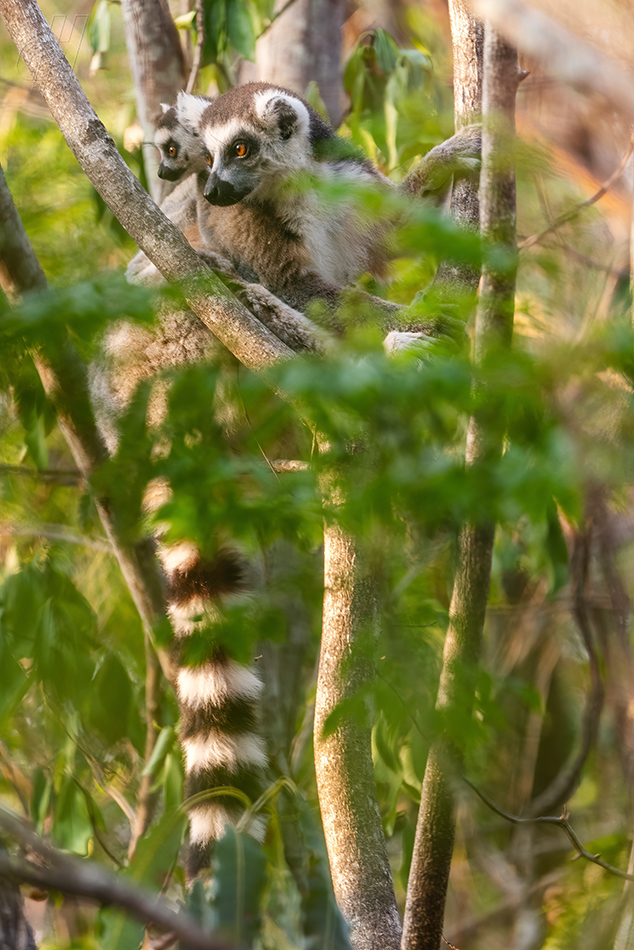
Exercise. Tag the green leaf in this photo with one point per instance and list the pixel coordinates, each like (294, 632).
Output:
(157, 851)
(386, 51)
(72, 827)
(163, 745)
(110, 699)
(240, 30)
(240, 873)
(99, 27)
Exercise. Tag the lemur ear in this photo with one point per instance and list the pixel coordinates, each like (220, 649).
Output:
(190, 109)
(289, 114)
(165, 107)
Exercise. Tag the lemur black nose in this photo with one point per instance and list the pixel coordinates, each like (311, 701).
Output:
(222, 193)
(169, 174)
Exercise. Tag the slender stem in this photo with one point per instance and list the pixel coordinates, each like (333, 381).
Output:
(561, 822)
(200, 42)
(433, 846)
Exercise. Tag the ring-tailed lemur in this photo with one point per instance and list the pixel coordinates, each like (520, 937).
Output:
(177, 139)
(251, 140)
(258, 139)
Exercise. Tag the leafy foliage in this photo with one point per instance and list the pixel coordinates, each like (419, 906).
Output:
(72, 655)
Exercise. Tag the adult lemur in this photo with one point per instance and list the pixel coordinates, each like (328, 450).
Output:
(241, 156)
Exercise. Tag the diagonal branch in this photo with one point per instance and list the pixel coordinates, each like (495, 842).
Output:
(242, 333)
(567, 780)
(561, 822)
(87, 879)
(587, 203)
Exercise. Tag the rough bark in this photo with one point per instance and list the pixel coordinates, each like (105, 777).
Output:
(158, 70)
(467, 39)
(15, 932)
(248, 339)
(304, 45)
(431, 861)
(346, 785)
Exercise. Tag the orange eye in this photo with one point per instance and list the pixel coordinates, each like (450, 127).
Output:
(241, 150)
(208, 159)
(172, 151)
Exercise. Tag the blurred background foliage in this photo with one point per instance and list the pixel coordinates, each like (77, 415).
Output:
(72, 657)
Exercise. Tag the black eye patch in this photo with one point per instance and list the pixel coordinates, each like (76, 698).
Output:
(233, 150)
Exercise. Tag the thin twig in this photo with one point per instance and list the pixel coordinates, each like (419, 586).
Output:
(288, 465)
(152, 713)
(561, 822)
(276, 16)
(56, 532)
(59, 476)
(619, 272)
(200, 41)
(566, 781)
(578, 208)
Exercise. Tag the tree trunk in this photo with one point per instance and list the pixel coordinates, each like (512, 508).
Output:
(158, 70)
(303, 45)
(433, 846)
(15, 932)
(343, 759)
(467, 39)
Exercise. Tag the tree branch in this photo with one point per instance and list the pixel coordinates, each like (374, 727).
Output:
(561, 822)
(200, 42)
(57, 476)
(433, 846)
(86, 879)
(55, 532)
(566, 781)
(587, 203)
(158, 69)
(245, 336)
(72, 404)
(346, 785)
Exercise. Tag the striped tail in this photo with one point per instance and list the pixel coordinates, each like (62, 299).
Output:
(218, 698)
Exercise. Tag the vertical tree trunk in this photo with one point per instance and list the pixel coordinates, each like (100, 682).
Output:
(304, 45)
(467, 41)
(433, 846)
(343, 760)
(158, 70)
(15, 932)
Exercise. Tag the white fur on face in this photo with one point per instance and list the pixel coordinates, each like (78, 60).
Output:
(217, 749)
(190, 109)
(217, 137)
(213, 684)
(162, 137)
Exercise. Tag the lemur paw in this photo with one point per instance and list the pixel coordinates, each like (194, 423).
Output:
(408, 341)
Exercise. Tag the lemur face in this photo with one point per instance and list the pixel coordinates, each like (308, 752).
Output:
(251, 136)
(177, 137)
